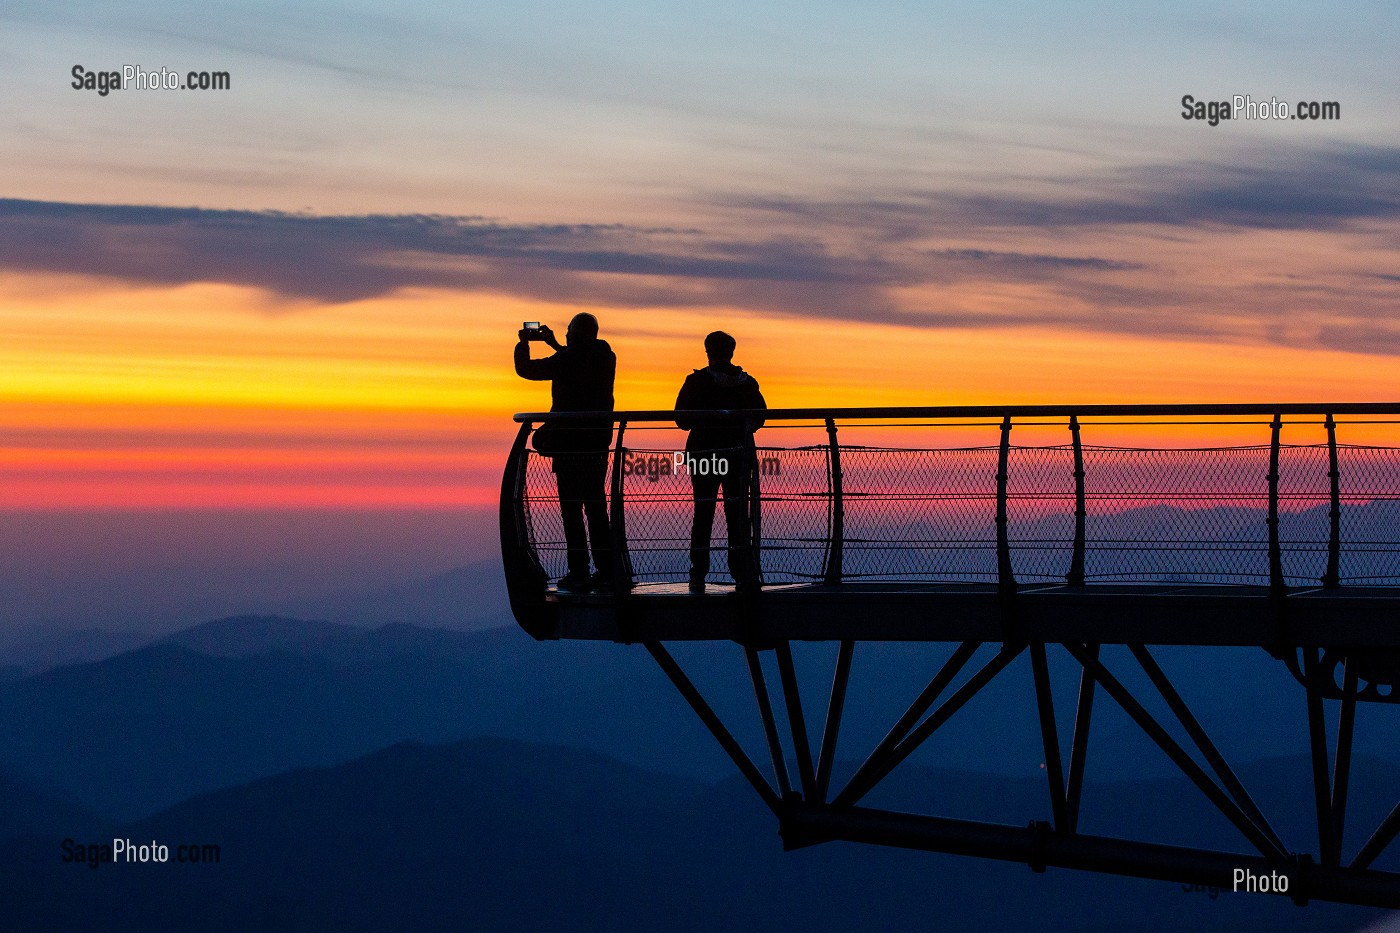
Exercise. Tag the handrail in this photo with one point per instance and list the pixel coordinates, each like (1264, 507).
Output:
(977, 411)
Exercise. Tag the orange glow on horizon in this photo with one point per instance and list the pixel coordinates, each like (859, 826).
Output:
(211, 396)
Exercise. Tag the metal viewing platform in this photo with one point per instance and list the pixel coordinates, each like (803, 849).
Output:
(1003, 531)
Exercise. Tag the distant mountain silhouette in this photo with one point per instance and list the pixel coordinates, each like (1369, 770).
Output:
(246, 636)
(491, 835)
(138, 732)
(34, 655)
(470, 597)
(26, 810)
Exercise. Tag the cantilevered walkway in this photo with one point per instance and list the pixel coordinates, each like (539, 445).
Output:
(1004, 530)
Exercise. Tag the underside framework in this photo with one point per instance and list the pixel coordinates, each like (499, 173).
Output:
(1274, 527)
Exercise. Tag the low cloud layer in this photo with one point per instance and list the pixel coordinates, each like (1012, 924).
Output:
(912, 259)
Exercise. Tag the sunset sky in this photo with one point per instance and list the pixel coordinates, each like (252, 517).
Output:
(302, 292)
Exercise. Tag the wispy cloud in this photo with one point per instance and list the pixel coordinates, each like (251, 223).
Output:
(1296, 188)
(1034, 260)
(1133, 251)
(343, 258)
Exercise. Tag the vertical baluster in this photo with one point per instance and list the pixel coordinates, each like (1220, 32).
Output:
(617, 524)
(526, 578)
(1006, 578)
(836, 540)
(1332, 577)
(755, 570)
(1276, 581)
(1075, 577)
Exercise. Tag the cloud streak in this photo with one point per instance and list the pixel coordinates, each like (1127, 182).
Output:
(1302, 189)
(343, 258)
(1134, 253)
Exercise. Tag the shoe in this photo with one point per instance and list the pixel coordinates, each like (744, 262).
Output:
(604, 580)
(697, 586)
(574, 583)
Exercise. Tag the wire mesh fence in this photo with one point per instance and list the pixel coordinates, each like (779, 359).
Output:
(1193, 514)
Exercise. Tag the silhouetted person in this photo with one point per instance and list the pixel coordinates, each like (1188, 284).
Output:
(723, 445)
(581, 373)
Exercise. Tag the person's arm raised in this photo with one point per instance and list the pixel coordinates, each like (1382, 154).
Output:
(537, 370)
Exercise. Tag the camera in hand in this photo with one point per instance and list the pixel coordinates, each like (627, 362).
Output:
(533, 331)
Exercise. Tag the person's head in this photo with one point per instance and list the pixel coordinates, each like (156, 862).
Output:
(719, 347)
(582, 328)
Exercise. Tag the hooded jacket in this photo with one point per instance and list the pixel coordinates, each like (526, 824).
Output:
(718, 388)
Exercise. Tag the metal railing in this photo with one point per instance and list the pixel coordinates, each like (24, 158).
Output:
(1295, 495)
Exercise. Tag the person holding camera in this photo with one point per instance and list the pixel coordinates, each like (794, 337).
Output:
(580, 373)
(721, 385)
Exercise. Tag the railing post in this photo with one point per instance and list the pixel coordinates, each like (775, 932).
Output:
(1332, 577)
(512, 513)
(526, 579)
(1006, 579)
(1075, 577)
(836, 540)
(617, 526)
(1276, 581)
(755, 506)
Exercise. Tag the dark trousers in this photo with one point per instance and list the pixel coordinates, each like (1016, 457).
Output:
(706, 489)
(581, 493)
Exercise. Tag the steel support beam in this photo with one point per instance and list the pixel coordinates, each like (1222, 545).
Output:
(770, 726)
(712, 722)
(866, 779)
(1317, 746)
(1383, 836)
(1341, 760)
(1183, 761)
(916, 710)
(1207, 747)
(796, 721)
(839, 680)
(1050, 737)
(809, 825)
(1079, 744)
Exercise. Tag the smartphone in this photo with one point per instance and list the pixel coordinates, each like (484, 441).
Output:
(532, 330)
